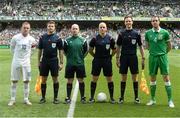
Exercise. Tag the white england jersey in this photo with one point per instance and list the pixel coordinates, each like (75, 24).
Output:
(21, 49)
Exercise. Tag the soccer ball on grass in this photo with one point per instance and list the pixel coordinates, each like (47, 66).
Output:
(101, 97)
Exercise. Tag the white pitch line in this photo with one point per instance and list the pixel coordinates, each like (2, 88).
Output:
(73, 101)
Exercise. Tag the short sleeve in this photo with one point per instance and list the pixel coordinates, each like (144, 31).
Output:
(13, 44)
(92, 42)
(119, 40)
(167, 36)
(33, 40)
(146, 36)
(60, 44)
(112, 43)
(33, 43)
(65, 46)
(85, 47)
(139, 40)
(40, 44)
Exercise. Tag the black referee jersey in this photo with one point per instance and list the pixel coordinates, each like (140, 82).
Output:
(102, 45)
(129, 39)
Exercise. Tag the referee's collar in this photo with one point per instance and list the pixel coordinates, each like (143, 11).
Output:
(128, 30)
(156, 30)
(75, 36)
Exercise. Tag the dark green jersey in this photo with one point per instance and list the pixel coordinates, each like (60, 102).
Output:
(75, 49)
(157, 41)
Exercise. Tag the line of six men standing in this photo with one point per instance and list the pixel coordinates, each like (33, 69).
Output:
(102, 48)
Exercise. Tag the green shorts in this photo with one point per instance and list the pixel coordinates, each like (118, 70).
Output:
(156, 62)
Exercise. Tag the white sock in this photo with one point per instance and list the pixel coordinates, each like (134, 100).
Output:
(153, 83)
(26, 91)
(13, 91)
(167, 83)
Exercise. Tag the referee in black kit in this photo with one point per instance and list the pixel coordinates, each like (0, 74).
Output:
(103, 43)
(49, 44)
(126, 56)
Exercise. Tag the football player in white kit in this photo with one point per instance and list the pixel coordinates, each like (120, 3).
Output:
(21, 45)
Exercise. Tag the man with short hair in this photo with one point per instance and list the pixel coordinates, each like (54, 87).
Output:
(158, 43)
(126, 56)
(75, 49)
(21, 46)
(49, 44)
(104, 46)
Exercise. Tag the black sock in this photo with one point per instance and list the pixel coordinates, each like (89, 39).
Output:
(69, 89)
(135, 85)
(81, 89)
(93, 89)
(111, 89)
(123, 87)
(43, 90)
(56, 88)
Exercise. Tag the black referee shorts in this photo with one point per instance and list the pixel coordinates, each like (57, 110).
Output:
(70, 70)
(105, 64)
(130, 61)
(49, 65)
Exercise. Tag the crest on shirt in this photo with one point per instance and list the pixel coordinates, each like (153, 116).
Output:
(107, 46)
(160, 37)
(53, 45)
(133, 41)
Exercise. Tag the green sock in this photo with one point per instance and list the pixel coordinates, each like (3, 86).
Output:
(153, 91)
(169, 92)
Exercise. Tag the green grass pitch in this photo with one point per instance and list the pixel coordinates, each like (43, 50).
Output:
(128, 109)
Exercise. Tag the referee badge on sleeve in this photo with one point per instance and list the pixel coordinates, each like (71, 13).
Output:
(133, 41)
(107, 46)
(53, 45)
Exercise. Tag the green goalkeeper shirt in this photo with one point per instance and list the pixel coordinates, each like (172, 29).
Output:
(157, 41)
(75, 48)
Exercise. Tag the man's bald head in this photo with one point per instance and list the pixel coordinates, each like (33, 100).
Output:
(75, 29)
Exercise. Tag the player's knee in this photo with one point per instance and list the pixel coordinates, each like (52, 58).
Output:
(166, 78)
(124, 77)
(153, 78)
(95, 78)
(43, 81)
(134, 78)
(80, 80)
(109, 79)
(70, 81)
(55, 81)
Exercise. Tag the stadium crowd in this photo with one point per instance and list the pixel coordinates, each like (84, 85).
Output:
(90, 10)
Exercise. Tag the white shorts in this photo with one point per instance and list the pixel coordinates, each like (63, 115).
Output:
(18, 70)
